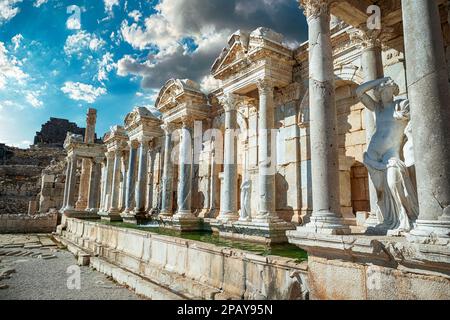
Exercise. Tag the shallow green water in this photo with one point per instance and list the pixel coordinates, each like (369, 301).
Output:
(283, 250)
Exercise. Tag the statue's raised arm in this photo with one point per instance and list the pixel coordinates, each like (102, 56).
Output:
(366, 99)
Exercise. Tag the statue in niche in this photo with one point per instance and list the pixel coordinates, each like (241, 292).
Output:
(245, 200)
(389, 158)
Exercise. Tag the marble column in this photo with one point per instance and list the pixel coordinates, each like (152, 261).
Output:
(150, 180)
(107, 182)
(326, 216)
(94, 185)
(130, 178)
(266, 152)
(66, 183)
(228, 199)
(82, 202)
(370, 42)
(114, 209)
(185, 170)
(428, 90)
(167, 175)
(123, 173)
(70, 201)
(212, 183)
(140, 193)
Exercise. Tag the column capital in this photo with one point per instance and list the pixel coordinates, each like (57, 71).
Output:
(315, 8)
(110, 155)
(265, 86)
(229, 101)
(133, 144)
(187, 122)
(370, 38)
(168, 128)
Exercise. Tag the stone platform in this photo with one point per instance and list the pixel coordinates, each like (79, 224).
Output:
(264, 232)
(368, 267)
(189, 269)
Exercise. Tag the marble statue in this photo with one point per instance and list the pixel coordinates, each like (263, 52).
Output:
(245, 200)
(389, 159)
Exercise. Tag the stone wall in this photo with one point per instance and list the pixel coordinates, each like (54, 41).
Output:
(20, 174)
(194, 269)
(24, 223)
(53, 132)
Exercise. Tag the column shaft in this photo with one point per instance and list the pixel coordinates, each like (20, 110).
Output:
(115, 184)
(326, 216)
(72, 183)
(429, 96)
(266, 152)
(167, 177)
(130, 179)
(185, 167)
(141, 179)
(228, 199)
(94, 186)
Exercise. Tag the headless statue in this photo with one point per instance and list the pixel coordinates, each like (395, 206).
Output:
(245, 200)
(389, 159)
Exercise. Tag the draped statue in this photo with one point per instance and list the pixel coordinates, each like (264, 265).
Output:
(389, 157)
(245, 200)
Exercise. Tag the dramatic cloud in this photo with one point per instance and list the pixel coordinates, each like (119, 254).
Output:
(8, 10)
(10, 69)
(136, 15)
(81, 41)
(81, 91)
(185, 37)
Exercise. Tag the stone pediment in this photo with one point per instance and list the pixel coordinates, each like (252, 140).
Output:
(142, 122)
(181, 96)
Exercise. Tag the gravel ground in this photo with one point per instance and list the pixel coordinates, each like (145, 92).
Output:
(34, 272)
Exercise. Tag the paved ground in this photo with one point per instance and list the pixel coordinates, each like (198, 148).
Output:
(32, 267)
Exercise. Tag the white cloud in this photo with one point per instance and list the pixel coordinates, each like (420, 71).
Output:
(209, 84)
(33, 99)
(77, 43)
(39, 3)
(8, 10)
(81, 91)
(109, 4)
(9, 68)
(17, 39)
(136, 15)
(105, 66)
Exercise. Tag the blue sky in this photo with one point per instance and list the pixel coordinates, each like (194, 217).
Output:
(57, 58)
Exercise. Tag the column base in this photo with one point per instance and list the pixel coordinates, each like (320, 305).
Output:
(185, 222)
(267, 232)
(430, 232)
(79, 214)
(326, 224)
(228, 216)
(112, 215)
(166, 213)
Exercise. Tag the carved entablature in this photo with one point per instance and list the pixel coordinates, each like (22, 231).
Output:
(116, 139)
(75, 146)
(181, 98)
(288, 94)
(142, 123)
(252, 56)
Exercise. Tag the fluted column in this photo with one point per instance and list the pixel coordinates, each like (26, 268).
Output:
(114, 209)
(150, 180)
(228, 199)
(107, 182)
(140, 193)
(123, 172)
(130, 177)
(185, 170)
(70, 201)
(94, 185)
(167, 176)
(266, 152)
(82, 202)
(212, 182)
(326, 216)
(428, 90)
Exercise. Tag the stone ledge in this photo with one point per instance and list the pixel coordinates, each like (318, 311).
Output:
(384, 251)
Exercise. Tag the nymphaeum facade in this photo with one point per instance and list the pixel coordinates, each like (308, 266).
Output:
(280, 143)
